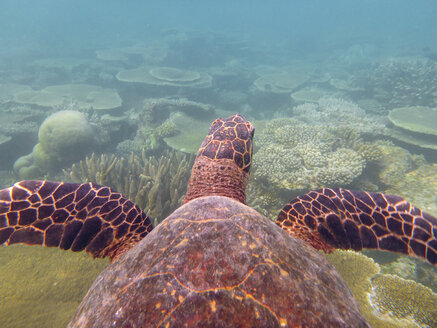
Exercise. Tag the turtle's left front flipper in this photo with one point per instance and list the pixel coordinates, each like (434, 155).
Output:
(71, 216)
(341, 218)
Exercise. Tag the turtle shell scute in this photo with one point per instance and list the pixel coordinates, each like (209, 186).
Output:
(217, 262)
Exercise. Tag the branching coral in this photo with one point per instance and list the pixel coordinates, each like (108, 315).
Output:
(298, 156)
(396, 295)
(405, 82)
(156, 185)
(339, 112)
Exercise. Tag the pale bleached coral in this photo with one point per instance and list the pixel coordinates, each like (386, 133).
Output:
(64, 137)
(166, 76)
(414, 269)
(331, 111)
(405, 81)
(84, 96)
(415, 125)
(419, 185)
(299, 156)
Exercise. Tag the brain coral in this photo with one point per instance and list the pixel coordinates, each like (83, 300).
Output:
(299, 156)
(64, 137)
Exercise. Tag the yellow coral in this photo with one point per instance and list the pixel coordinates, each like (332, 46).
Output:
(416, 300)
(359, 271)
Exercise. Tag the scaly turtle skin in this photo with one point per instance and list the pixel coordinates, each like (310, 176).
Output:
(215, 262)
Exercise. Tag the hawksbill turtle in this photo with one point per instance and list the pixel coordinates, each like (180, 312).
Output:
(215, 262)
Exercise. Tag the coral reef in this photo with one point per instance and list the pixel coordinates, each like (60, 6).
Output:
(64, 137)
(9, 90)
(419, 185)
(309, 94)
(84, 96)
(177, 122)
(363, 277)
(395, 296)
(150, 53)
(301, 156)
(166, 76)
(283, 82)
(395, 163)
(415, 125)
(400, 82)
(156, 185)
(157, 110)
(331, 111)
(413, 269)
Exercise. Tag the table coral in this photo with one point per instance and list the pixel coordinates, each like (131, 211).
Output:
(363, 277)
(403, 298)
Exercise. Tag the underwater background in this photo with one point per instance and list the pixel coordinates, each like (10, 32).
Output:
(341, 93)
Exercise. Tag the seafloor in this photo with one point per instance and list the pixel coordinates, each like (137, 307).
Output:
(130, 116)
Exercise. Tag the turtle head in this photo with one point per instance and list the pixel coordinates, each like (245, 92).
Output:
(223, 162)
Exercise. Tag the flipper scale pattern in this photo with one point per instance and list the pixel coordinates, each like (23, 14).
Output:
(341, 218)
(71, 216)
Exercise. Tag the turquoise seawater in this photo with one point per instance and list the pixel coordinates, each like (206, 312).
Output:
(341, 94)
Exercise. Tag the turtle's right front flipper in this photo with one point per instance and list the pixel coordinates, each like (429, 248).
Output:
(71, 216)
(346, 219)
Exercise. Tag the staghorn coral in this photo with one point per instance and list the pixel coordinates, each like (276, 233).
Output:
(157, 185)
(359, 272)
(395, 296)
